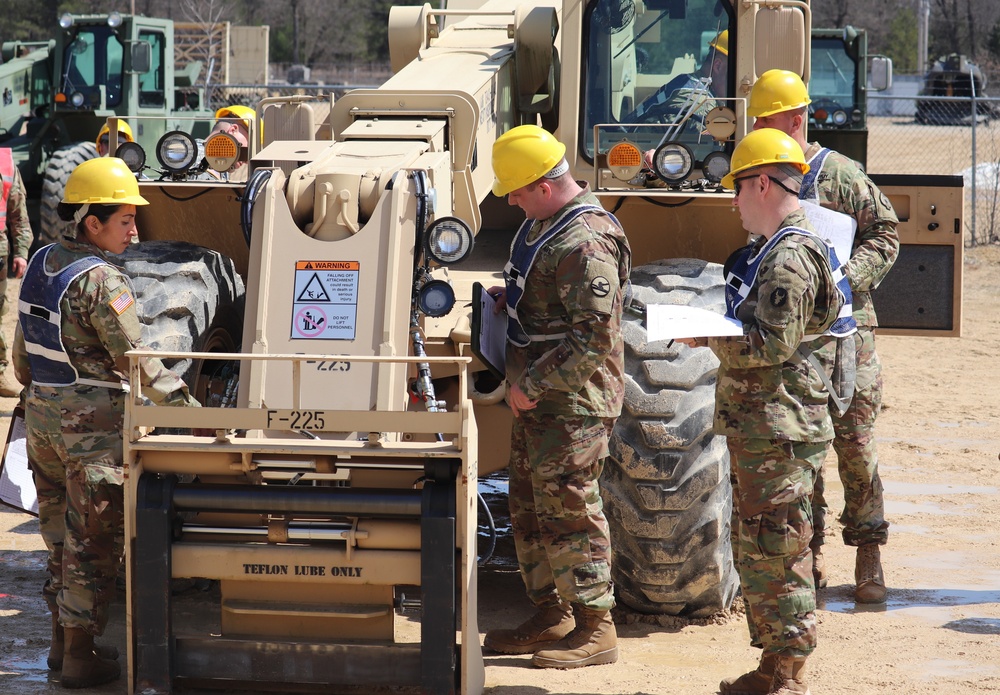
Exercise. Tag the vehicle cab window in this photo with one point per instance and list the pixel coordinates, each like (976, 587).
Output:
(152, 92)
(92, 64)
(656, 62)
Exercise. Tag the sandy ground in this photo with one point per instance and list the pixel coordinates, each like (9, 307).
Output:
(943, 149)
(939, 631)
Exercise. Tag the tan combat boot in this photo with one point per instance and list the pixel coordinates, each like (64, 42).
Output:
(756, 682)
(9, 388)
(868, 575)
(549, 624)
(819, 567)
(56, 647)
(593, 641)
(789, 676)
(82, 667)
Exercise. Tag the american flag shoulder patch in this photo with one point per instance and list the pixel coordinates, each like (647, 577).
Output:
(122, 301)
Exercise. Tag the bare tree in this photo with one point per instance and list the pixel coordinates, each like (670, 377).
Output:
(832, 13)
(970, 21)
(209, 14)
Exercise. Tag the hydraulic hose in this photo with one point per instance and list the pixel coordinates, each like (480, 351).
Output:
(256, 183)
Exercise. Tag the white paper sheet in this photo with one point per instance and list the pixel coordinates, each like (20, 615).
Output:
(669, 322)
(835, 228)
(17, 487)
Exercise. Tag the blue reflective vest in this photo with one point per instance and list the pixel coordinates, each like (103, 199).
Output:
(808, 191)
(41, 320)
(741, 274)
(522, 258)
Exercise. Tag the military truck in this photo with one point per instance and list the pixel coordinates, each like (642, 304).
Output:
(339, 490)
(58, 93)
(949, 87)
(839, 87)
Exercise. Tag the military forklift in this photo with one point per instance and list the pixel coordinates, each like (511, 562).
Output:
(335, 503)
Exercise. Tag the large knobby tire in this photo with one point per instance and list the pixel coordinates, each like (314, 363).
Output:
(60, 166)
(666, 484)
(189, 299)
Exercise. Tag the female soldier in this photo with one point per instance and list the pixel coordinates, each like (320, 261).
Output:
(77, 319)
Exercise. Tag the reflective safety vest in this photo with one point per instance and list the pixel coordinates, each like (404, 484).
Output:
(522, 258)
(41, 322)
(741, 274)
(841, 227)
(7, 175)
(808, 191)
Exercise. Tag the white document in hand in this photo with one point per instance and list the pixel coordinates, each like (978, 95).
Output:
(835, 228)
(670, 322)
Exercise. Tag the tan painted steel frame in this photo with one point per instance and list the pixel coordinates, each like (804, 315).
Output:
(227, 455)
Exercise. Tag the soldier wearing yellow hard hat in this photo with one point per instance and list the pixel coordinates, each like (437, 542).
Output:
(244, 113)
(779, 99)
(563, 294)
(77, 318)
(237, 121)
(771, 401)
(523, 155)
(104, 139)
(768, 147)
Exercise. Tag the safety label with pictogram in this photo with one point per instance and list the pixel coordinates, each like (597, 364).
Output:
(325, 304)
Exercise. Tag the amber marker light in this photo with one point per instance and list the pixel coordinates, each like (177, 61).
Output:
(624, 161)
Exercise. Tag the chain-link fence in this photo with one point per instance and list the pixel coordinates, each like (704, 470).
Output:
(943, 135)
(220, 95)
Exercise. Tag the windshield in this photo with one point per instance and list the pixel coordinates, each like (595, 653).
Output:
(662, 62)
(832, 80)
(94, 60)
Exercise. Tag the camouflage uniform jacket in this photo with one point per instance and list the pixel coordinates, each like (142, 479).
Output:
(763, 389)
(99, 325)
(583, 372)
(18, 227)
(672, 101)
(844, 187)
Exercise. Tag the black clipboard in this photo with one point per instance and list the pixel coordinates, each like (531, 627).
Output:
(489, 332)
(17, 485)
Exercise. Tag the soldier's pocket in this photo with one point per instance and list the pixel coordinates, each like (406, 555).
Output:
(779, 531)
(570, 449)
(105, 514)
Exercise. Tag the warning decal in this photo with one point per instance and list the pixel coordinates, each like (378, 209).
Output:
(325, 304)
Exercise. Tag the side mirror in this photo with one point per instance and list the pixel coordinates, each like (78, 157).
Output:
(781, 40)
(881, 74)
(142, 57)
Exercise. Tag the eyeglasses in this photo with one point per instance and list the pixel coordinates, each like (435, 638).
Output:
(782, 185)
(736, 182)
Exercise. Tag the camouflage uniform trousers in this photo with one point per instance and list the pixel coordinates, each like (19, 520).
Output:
(3, 311)
(774, 560)
(857, 460)
(76, 456)
(561, 535)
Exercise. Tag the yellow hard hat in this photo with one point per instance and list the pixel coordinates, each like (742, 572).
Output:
(238, 111)
(104, 180)
(523, 155)
(721, 42)
(123, 131)
(776, 91)
(762, 147)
